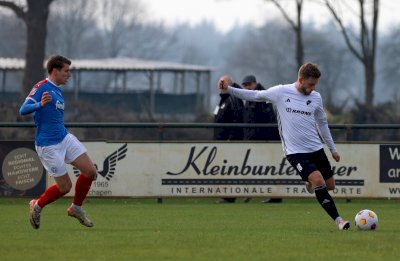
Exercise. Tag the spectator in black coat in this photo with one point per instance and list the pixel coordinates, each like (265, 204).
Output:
(229, 110)
(259, 112)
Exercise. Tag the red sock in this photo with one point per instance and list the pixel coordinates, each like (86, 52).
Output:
(82, 187)
(50, 195)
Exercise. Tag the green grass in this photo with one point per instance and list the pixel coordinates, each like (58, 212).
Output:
(197, 229)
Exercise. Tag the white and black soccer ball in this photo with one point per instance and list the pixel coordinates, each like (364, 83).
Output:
(366, 220)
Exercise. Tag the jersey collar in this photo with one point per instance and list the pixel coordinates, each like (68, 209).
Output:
(52, 83)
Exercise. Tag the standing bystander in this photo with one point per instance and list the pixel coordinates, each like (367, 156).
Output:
(259, 113)
(228, 110)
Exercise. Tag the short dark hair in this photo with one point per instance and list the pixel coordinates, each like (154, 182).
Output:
(57, 62)
(308, 70)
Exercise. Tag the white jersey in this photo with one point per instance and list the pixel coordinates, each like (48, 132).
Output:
(301, 118)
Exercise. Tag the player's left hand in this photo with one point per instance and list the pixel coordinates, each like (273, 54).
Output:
(336, 156)
(46, 98)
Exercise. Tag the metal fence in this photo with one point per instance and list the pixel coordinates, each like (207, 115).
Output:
(341, 132)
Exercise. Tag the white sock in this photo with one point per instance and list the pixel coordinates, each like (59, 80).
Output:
(338, 219)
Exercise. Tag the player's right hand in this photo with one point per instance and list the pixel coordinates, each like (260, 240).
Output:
(224, 82)
(46, 98)
(221, 85)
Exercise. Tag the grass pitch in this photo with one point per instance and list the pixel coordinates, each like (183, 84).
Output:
(197, 229)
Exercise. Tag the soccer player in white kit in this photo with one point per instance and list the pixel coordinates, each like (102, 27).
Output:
(55, 146)
(302, 123)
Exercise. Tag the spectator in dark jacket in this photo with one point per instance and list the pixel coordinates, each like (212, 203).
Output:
(259, 112)
(229, 110)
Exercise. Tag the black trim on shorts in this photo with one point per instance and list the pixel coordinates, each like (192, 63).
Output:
(306, 163)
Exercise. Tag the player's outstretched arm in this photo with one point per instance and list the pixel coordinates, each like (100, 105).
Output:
(225, 84)
(30, 105)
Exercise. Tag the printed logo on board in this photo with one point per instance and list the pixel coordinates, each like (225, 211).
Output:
(22, 169)
(109, 164)
(389, 163)
(206, 173)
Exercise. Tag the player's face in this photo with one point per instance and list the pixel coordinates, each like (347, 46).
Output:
(308, 85)
(63, 74)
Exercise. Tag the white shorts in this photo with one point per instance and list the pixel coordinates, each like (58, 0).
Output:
(56, 157)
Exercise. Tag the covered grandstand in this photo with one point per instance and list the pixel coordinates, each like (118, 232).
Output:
(154, 87)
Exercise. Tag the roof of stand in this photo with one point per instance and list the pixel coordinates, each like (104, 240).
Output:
(113, 64)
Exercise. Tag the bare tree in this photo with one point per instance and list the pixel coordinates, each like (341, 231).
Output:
(296, 26)
(152, 41)
(338, 71)
(366, 40)
(389, 65)
(116, 23)
(12, 33)
(262, 55)
(35, 15)
(269, 59)
(72, 25)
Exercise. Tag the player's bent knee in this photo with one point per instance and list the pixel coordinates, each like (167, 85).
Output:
(316, 179)
(330, 186)
(91, 173)
(318, 183)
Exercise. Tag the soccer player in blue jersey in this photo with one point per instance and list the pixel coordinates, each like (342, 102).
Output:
(55, 146)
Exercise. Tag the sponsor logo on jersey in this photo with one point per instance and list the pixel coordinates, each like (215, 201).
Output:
(288, 100)
(59, 105)
(290, 110)
(308, 102)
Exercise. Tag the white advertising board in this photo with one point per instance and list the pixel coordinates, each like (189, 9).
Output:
(233, 169)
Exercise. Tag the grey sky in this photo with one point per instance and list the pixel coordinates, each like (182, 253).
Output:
(228, 13)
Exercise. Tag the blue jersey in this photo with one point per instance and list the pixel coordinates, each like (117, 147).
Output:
(49, 120)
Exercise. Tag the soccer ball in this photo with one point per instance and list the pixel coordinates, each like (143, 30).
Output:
(366, 220)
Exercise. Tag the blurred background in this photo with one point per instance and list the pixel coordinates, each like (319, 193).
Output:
(159, 60)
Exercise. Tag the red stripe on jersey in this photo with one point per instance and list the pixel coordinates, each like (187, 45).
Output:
(36, 87)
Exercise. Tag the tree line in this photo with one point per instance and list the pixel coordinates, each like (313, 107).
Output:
(357, 63)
